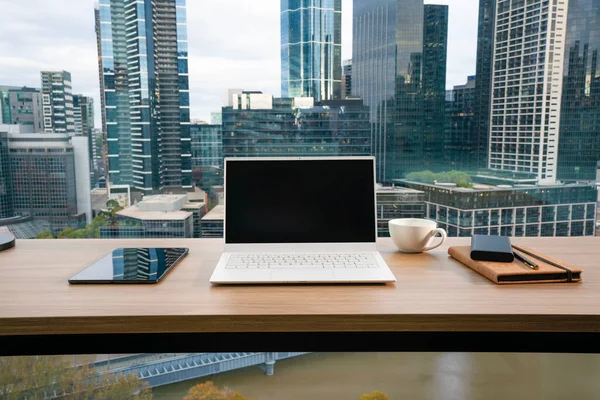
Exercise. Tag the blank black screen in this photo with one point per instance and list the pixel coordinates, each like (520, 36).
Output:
(305, 201)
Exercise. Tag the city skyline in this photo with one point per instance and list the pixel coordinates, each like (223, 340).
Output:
(64, 38)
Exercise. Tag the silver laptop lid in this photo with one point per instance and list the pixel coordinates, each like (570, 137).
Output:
(300, 201)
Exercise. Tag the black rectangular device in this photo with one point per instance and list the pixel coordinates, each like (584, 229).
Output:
(491, 248)
(131, 265)
(303, 200)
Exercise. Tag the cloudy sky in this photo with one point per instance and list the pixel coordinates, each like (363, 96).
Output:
(232, 44)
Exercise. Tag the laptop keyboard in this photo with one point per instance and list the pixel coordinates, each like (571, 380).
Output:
(300, 260)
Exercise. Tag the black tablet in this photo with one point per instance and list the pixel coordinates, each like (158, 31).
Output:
(131, 265)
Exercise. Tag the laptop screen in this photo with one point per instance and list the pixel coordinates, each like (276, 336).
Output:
(300, 201)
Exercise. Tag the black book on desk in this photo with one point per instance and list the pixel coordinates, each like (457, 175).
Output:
(491, 248)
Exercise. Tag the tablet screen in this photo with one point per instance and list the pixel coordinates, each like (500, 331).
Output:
(131, 265)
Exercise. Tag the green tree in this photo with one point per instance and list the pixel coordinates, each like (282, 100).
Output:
(78, 234)
(112, 208)
(91, 231)
(45, 235)
(94, 227)
(65, 233)
(41, 377)
(209, 391)
(461, 179)
(375, 396)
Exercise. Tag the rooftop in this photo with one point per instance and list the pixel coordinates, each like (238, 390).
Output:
(397, 190)
(478, 187)
(216, 214)
(135, 213)
(164, 198)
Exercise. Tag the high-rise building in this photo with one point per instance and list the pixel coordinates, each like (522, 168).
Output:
(21, 106)
(391, 39)
(98, 26)
(435, 51)
(6, 181)
(57, 102)
(50, 179)
(207, 155)
(347, 79)
(143, 53)
(526, 87)
(579, 142)
(483, 83)
(261, 126)
(83, 108)
(460, 143)
(311, 49)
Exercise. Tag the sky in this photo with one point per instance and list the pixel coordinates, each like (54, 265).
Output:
(232, 44)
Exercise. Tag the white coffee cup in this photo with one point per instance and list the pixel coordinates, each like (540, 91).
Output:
(412, 235)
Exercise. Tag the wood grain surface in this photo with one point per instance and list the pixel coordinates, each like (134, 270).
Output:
(434, 293)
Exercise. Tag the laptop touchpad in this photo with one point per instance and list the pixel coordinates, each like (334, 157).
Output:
(301, 275)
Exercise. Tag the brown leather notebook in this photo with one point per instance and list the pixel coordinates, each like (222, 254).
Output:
(517, 272)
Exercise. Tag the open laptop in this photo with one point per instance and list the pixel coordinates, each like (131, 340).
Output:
(300, 220)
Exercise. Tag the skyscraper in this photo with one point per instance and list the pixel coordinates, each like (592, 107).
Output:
(391, 39)
(143, 55)
(98, 26)
(83, 108)
(347, 79)
(460, 142)
(483, 83)
(526, 87)
(311, 49)
(207, 155)
(435, 51)
(57, 101)
(579, 142)
(6, 180)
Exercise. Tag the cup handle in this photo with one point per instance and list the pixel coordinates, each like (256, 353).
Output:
(432, 235)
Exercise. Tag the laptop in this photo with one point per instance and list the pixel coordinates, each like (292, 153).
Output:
(300, 220)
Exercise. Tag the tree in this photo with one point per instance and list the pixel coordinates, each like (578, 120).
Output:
(113, 207)
(375, 396)
(45, 235)
(44, 376)
(461, 179)
(209, 391)
(123, 387)
(65, 234)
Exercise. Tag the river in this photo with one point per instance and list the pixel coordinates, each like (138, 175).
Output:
(414, 376)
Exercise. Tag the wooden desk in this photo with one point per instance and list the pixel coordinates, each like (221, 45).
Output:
(436, 304)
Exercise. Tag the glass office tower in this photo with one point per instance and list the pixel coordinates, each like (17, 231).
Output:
(435, 50)
(143, 55)
(6, 180)
(311, 49)
(461, 133)
(391, 38)
(207, 155)
(282, 127)
(483, 85)
(579, 142)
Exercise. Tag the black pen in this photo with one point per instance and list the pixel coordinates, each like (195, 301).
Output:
(526, 261)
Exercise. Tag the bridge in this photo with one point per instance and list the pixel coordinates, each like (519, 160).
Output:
(168, 368)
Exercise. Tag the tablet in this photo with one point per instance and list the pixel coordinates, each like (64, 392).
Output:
(131, 265)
